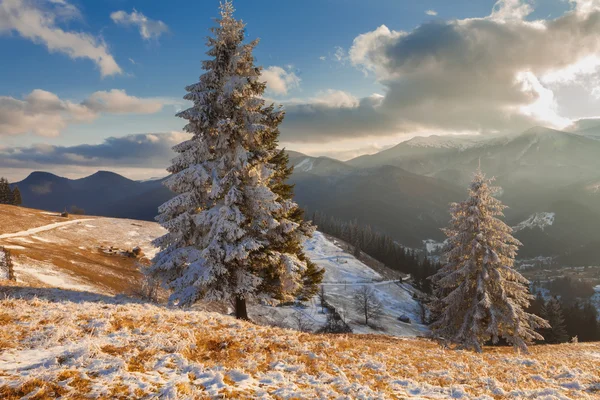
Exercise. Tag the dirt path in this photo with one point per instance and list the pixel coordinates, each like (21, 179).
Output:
(44, 228)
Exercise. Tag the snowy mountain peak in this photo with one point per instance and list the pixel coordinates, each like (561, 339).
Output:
(305, 165)
(538, 220)
(444, 142)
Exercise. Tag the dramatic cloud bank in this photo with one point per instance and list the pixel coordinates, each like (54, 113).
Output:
(30, 21)
(44, 113)
(148, 28)
(500, 73)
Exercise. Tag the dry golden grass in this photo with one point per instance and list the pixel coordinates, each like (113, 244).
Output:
(137, 350)
(77, 251)
(35, 389)
(16, 219)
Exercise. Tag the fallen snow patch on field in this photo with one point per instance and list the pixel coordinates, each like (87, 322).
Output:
(48, 274)
(45, 228)
(305, 165)
(71, 344)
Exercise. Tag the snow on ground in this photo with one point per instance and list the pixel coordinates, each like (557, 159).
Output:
(48, 274)
(344, 274)
(40, 229)
(67, 253)
(305, 165)
(73, 255)
(72, 344)
(538, 220)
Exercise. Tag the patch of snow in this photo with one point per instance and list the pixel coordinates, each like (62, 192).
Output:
(13, 247)
(45, 228)
(49, 275)
(344, 274)
(446, 142)
(41, 239)
(431, 246)
(538, 220)
(24, 240)
(305, 165)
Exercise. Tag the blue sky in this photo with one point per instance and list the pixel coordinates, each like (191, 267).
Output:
(355, 75)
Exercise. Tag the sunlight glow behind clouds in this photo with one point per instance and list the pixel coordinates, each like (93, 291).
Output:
(494, 74)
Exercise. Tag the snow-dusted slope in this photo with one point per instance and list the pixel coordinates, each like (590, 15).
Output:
(344, 274)
(539, 220)
(75, 255)
(68, 345)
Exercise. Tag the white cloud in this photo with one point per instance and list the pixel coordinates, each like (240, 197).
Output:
(498, 73)
(322, 58)
(148, 28)
(506, 10)
(340, 54)
(335, 98)
(39, 25)
(585, 6)
(431, 12)
(117, 101)
(44, 113)
(367, 47)
(280, 81)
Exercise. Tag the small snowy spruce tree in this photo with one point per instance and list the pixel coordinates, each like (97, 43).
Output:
(480, 295)
(228, 229)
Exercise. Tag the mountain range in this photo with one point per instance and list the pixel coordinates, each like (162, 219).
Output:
(405, 190)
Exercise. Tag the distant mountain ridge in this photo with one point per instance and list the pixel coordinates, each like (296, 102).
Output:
(103, 193)
(550, 157)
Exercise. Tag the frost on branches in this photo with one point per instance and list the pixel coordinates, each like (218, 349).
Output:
(232, 231)
(480, 295)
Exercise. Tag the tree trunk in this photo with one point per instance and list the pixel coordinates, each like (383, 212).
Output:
(240, 309)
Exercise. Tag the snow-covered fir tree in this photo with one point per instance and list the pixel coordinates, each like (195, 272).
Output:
(232, 234)
(290, 241)
(480, 295)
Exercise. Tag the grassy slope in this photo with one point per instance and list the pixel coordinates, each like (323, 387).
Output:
(76, 345)
(75, 256)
